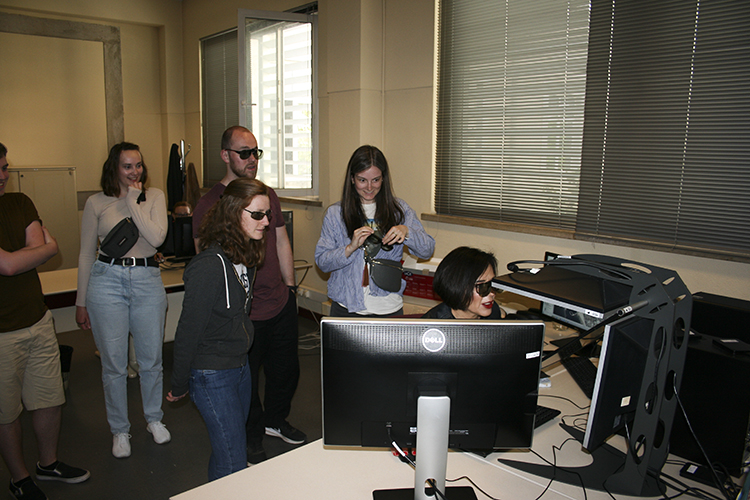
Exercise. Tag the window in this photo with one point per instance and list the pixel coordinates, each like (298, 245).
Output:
(219, 99)
(660, 157)
(511, 85)
(666, 151)
(277, 96)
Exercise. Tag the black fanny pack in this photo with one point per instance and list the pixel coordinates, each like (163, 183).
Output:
(120, 239)
(385, 273)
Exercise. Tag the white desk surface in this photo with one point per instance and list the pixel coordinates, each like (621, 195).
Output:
(61, 286)
(313, 471)
(66, 280)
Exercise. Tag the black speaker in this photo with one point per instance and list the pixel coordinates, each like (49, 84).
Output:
(720, 316)
(716, 397)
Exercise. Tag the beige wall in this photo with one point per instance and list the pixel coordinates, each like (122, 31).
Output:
(71, 130)
(56, 115)
(376, 64)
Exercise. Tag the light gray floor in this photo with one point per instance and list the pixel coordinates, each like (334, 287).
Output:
(152, 471)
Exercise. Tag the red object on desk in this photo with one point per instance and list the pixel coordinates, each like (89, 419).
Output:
(419, 285)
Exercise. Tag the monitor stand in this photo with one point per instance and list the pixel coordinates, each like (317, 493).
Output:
(433, 425)
(606, 462)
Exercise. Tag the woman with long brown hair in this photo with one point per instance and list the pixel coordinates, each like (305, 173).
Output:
(368, 217)
(215, 333)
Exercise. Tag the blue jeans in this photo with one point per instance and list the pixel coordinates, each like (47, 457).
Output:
(121, 301)
(223, 398)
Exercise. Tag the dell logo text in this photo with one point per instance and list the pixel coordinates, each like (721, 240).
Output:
(433, 340)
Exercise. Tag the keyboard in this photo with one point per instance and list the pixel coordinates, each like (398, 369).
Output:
(583, 372)
(544, 415)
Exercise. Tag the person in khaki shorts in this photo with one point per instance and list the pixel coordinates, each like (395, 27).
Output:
(29, 354)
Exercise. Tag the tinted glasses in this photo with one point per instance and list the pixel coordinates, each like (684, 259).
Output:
(484, 288)
(259, 215)
(245, 153)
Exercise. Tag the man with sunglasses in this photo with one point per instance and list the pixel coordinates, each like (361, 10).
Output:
(274, 311)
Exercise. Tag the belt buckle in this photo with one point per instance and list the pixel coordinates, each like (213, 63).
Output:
(129, 262)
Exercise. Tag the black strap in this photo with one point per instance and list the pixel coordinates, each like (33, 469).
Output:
(130, 261)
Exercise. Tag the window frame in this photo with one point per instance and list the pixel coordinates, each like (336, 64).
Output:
(243, 14)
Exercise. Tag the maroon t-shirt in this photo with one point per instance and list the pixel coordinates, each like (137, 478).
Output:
(270, 294)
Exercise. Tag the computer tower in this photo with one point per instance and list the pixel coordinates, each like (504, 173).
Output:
(720, 316)
(716, 397)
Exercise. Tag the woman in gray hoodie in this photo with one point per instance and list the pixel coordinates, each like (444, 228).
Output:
(214, 333)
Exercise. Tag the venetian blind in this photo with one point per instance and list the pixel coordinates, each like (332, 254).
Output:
(666, 150)
(511, 82)
(219, 79)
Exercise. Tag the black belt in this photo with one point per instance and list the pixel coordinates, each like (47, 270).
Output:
(130, 261)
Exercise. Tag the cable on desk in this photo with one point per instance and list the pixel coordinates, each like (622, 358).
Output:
(403, 455)
(554, 466)
(684, 489)
(566, 399)
(473, 484)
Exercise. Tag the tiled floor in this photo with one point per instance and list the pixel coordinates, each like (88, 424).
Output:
(152, 471)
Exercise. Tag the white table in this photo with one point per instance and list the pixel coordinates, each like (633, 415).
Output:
(317, 472)
(60, 286)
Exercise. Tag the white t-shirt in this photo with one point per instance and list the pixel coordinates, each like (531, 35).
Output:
(242, 273)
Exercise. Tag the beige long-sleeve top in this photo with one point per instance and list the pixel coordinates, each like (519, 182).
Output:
(103, 212)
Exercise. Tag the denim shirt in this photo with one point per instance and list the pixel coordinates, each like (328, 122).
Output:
(345, 282)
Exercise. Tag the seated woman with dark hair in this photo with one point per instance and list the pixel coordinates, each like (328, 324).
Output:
(464, 281)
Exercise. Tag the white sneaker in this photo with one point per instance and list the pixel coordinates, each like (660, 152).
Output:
(160, 432)
(121, 445)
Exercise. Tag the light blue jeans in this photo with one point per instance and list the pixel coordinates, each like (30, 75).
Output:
(121, 301)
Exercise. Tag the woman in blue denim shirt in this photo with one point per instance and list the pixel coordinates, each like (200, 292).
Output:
(367, 207)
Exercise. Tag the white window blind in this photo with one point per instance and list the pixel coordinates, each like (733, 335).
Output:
(511, 87)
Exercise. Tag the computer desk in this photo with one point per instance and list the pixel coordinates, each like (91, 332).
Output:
(313, 471)
(60, 288)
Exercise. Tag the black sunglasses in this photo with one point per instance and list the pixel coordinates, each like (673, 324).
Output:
(244, 154)
(483, 289)
(260, 215)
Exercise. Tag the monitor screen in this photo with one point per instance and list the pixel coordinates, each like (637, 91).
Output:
(619, 378)
(184, 245)
(179, 246)
(430, 383)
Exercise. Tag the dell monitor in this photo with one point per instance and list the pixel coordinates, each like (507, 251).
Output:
(184, 245)
(430, 383)
(179, 246)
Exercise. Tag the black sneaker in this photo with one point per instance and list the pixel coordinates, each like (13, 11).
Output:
(26, 489)
(288, 433)
(255, 453)
(59, 471)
